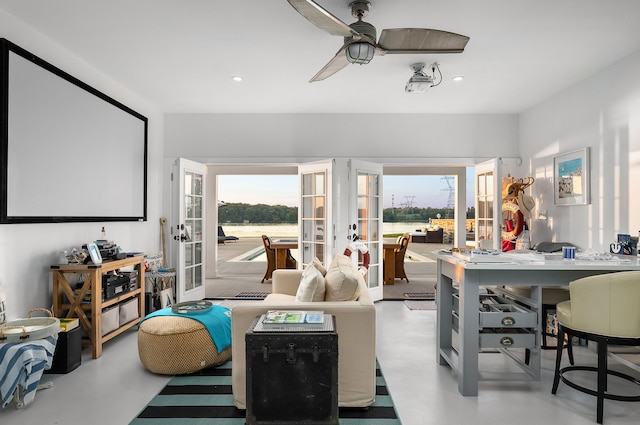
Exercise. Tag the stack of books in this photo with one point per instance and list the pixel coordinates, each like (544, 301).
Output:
(275, 317)
(68, 324)
(294, 321)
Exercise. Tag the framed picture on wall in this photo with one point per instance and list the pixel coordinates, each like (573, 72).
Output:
(571, 181)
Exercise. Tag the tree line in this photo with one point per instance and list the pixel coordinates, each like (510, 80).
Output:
(257, 213)
(282, 214)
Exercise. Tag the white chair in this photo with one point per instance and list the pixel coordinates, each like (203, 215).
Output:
(603, 309)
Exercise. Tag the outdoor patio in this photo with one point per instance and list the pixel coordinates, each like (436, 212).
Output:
(237, 273)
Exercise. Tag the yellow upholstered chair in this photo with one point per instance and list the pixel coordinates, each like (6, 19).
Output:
(603, 309)
(399, 255)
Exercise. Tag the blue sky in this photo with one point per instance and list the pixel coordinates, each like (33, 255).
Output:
(417, 191)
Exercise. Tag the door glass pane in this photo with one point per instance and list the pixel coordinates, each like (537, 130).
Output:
(481, 185)
(363, 184)
(198, 253)
(188, 278)
(188, 254)
(362, 207)
(373, 278)
(197, 275)
(319, 231)
(188, 201)
(373, 250)
(188, 183)
(197, 230)
(319, 203)
(320, 184)
(197, 185)
(307, 207)
(319, 248)
(363, 230)
(197, 207)
(307, 230)
(373, 206)
(307, 186)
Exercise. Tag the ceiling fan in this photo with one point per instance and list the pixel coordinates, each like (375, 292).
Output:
(360, 37)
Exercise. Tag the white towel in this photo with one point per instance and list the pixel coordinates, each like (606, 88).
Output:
(22, 365)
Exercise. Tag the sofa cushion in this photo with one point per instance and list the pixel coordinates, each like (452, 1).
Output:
(312, 285)
(342, 280)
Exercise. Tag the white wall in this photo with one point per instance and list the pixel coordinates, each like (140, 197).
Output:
(385, 138)
(28, 250)
(602, 113)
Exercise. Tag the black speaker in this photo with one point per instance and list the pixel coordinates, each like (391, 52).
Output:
(68, 354)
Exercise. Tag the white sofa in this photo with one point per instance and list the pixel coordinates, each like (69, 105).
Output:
(355, 323)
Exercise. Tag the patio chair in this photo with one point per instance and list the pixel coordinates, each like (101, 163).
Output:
(399, 257)
(222, 238)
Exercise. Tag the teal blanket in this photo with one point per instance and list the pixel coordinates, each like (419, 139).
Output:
(217, 321)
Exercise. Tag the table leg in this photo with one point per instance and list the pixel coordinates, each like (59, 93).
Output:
(389, 267)
(281, 258)
(444, 301)
(469, 329)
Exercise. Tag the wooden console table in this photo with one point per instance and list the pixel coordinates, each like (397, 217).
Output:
(67, 303)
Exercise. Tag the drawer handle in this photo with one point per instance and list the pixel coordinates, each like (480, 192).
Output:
(507, 340)
(508, 321)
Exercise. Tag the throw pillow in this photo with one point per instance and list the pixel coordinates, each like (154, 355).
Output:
(318, 265)
(312, 285)
(342, 280)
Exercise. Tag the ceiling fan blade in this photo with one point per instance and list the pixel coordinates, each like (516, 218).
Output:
(321, 18)
(338, 62)
(421, 40)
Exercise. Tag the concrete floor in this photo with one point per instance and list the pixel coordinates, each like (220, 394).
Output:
(111, 390)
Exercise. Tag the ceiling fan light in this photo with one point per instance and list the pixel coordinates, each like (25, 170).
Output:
(360, 53)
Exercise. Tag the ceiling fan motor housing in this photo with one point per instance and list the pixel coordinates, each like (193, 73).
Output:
(361, 51)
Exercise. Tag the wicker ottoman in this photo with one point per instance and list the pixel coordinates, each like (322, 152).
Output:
(171, 345)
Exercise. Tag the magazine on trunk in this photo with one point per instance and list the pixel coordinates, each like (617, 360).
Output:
(297, 318)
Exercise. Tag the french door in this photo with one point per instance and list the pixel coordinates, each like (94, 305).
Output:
(188, 229)
(341, 204)
(365, 213)
(315, 216)
(488, 204)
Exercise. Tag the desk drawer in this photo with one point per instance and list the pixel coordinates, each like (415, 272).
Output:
(498, 312)
(507, 338)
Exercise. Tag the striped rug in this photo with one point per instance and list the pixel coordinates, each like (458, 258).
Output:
(205, 398)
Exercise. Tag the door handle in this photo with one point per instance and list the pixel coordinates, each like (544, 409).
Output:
(184, 234)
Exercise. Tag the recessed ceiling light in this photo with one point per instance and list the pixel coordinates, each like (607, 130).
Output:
(236, 78)
(458, 78)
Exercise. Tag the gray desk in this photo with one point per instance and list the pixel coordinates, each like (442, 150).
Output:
(465, 279)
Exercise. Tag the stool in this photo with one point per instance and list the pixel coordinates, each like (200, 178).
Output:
(603, 309)
(172, 345)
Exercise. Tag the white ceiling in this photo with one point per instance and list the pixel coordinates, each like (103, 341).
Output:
(181, 54)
